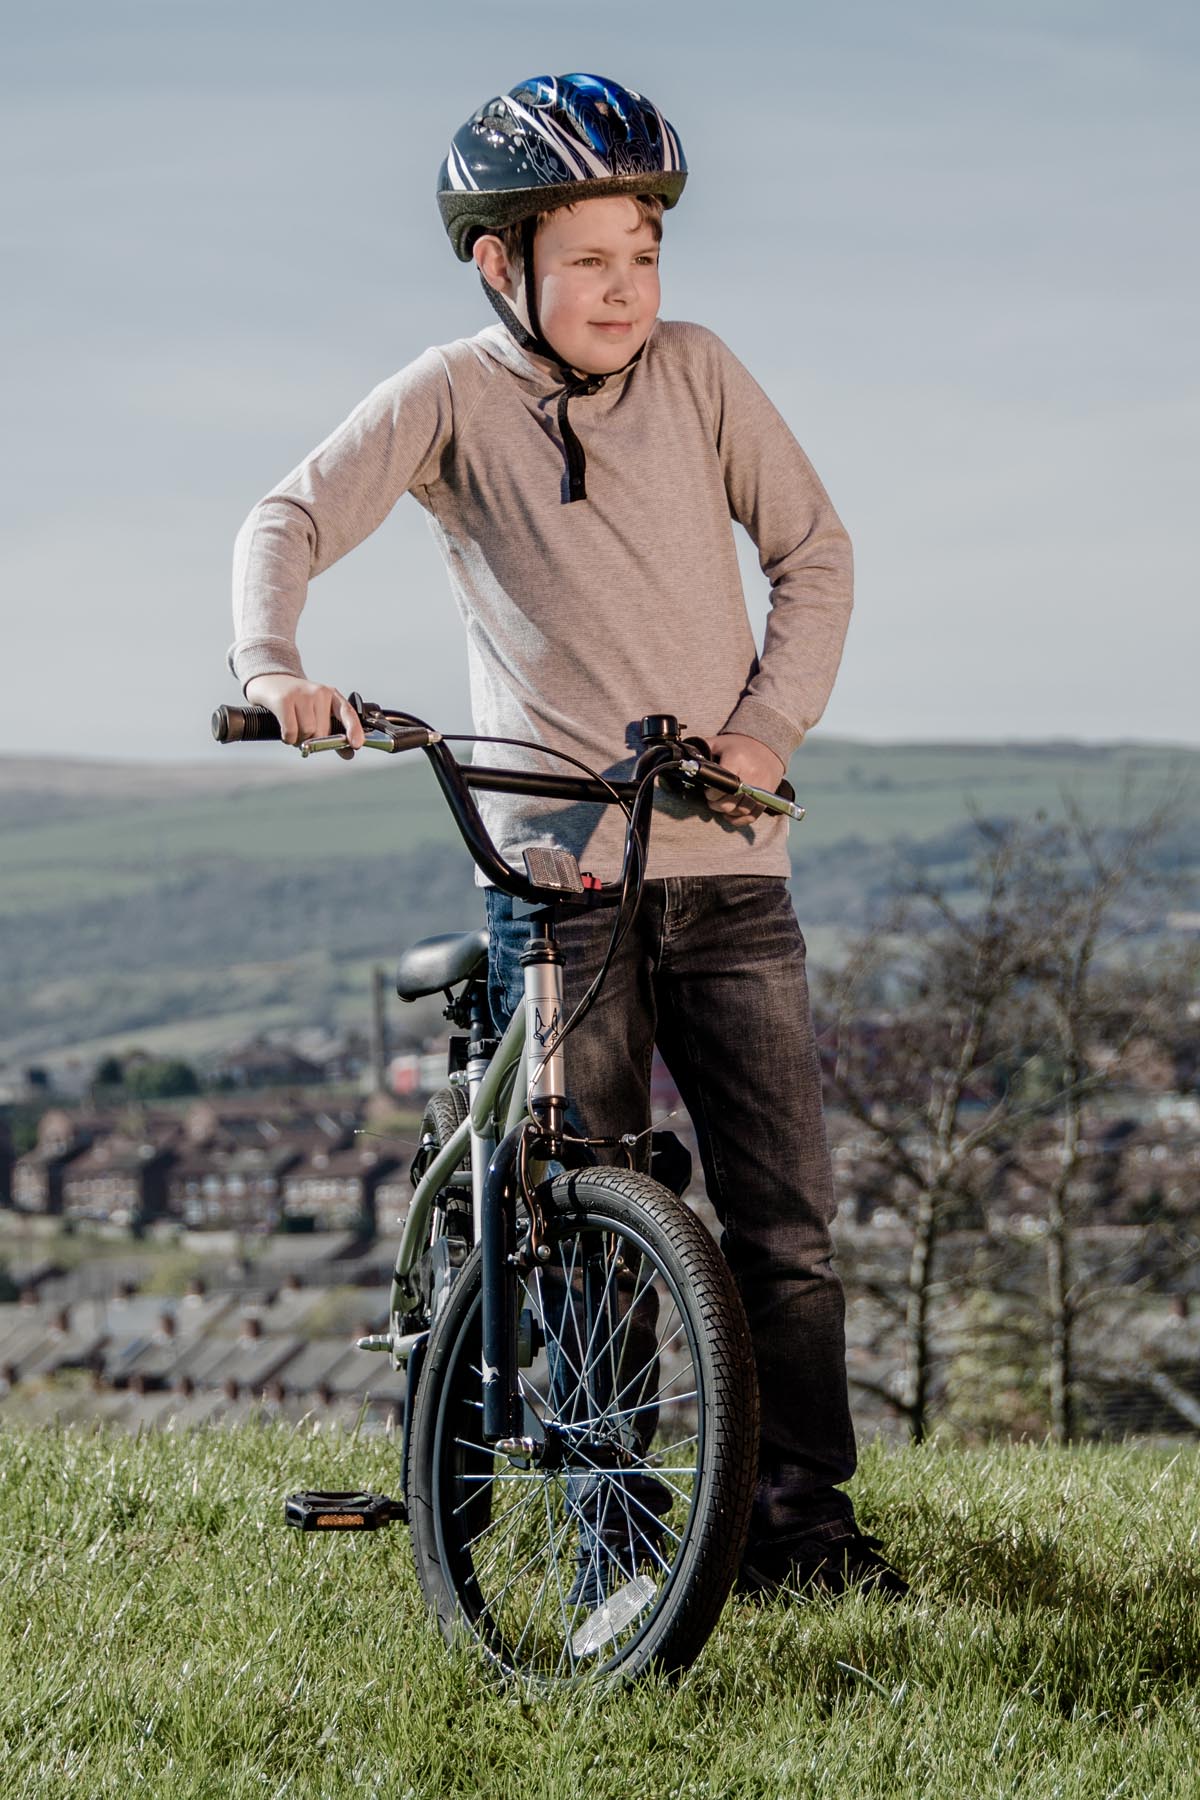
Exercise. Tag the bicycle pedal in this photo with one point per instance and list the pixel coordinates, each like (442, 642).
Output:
(342, 1511)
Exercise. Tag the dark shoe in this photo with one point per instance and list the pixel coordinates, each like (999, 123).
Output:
(620, 1532)
(816, 1563)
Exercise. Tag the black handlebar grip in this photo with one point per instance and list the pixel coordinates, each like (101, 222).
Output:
(712, 775)
(704, 749)
(245, 725)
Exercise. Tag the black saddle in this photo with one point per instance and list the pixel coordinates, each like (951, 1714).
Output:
(441, 962)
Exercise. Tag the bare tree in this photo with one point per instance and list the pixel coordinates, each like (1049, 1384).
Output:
(925, 1076)
(979, 1019)
(1097, 990)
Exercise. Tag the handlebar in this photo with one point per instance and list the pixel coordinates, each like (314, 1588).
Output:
(245, 725)
(686, 761)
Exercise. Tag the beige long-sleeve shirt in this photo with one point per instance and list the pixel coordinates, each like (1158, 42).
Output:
(582, 617)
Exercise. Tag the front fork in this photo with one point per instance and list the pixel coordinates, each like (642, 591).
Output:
(540, 1136)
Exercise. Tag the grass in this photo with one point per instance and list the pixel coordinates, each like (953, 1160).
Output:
(164, 1634)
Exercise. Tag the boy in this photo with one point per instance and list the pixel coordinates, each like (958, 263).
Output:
(580, 462)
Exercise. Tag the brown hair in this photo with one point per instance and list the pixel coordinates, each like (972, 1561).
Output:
(650, 212)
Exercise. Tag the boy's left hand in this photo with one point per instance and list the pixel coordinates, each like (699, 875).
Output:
(752, 763)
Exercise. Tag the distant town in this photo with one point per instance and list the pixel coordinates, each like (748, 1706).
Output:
(177, 1249)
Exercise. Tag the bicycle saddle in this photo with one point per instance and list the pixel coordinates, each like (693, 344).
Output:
(440, 962)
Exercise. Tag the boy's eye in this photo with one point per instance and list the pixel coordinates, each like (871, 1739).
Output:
(646, 258)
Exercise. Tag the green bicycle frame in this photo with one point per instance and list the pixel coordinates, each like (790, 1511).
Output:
(501, 1101)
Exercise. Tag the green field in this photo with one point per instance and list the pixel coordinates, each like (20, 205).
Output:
(182, 912)
(869, 793)
(164, 1634)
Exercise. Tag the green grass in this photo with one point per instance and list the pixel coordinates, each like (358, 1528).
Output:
(164, 1634)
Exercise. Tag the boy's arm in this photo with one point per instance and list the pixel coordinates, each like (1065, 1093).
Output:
(391, 444)
(805, 554)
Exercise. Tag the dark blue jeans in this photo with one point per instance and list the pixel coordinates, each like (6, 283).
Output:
(713, 972)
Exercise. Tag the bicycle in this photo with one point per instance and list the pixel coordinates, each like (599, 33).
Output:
(580, 1434)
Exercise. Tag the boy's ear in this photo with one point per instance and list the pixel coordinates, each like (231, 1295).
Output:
(493, 265)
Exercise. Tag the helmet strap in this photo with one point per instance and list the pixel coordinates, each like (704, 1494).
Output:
(529, 338)
(574, 384)
(528, 234)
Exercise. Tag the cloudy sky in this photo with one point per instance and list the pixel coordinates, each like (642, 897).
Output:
(955, 241)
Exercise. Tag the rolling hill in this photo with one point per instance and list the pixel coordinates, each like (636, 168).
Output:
(183, 906)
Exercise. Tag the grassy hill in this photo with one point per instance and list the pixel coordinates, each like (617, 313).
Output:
(183, 906)
(163, 1633)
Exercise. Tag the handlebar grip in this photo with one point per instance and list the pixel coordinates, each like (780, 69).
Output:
(245, 725)
(703, 748)
(712, 775)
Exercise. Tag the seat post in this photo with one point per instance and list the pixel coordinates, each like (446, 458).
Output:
(542, 962)
(481, 1045)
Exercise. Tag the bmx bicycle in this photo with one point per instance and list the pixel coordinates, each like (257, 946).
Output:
(580, 1435)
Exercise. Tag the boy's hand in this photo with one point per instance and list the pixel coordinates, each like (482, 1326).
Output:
(305, 709)
(752, 763)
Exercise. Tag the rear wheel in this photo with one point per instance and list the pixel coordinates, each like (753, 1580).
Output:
(444, 1113)
(613, 1546)
(420, 1298)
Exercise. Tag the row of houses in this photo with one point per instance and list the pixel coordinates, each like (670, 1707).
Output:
(235, 1163)
(247, 1161)
(250, 1164)
(1137, 1370)
(1137, 1163)
(275, 1334)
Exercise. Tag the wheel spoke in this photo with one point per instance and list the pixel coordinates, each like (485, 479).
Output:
(586, 1361)
(629, 1412)
(572, 1565)
(508, 1518)
(562, 1599)
(537, 1555)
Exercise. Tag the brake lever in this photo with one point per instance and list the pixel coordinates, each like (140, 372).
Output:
(389, 739)
(773, 803)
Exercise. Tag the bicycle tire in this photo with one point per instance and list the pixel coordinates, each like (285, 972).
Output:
(647, 1514)
(440, 1261)
(444, 1113)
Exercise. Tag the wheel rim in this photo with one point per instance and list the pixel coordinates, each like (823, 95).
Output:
(561, 1568)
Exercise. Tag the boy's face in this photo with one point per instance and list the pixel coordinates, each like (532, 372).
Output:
(596, 267)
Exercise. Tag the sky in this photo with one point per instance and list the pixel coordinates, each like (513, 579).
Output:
(955, 243)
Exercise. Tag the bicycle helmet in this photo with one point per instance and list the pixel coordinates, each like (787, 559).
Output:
(548, 142)
(551, 141)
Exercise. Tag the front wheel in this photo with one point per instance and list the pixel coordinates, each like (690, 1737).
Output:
(613, 1545)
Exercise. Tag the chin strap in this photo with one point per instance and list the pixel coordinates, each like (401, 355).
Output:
(575, 385)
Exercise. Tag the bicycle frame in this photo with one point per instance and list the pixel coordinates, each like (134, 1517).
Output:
(490, 1106)
(516, 1158)
(509, 1159)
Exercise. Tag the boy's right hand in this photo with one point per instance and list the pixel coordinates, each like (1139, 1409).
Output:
(306, 709)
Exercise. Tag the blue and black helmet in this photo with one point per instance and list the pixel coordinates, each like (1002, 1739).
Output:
(549, 142)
